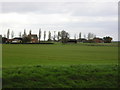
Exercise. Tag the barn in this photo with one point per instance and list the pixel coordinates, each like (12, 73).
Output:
(72, 41)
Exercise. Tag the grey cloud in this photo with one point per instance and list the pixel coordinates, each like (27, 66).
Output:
(75, 8)
(106, 25)
(93, 9)
(26, 7)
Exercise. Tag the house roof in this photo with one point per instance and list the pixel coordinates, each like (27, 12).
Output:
(98, 38)
(32, 35)
(72, 40)
(18, 38)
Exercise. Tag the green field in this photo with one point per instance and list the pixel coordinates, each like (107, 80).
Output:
(47, 66)
(17, 55)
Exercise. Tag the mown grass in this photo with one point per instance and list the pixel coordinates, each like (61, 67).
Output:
(19, 55)
(60, 66)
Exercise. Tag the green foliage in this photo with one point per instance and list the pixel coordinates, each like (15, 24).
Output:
(26, 39)
(64, 36)
(107, 39)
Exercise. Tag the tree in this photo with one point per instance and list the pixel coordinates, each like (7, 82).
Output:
(64, 36)
(12, 34)
(25, 32)
(30, 32)
(54, 36)
(80, 35)
(24, 35)
(91, 36)
(26, 39)
(44, 35)
(8, 33)
(4, 35)
(88, 36)
(39, 34)
(107, 39)
(75, 36)
(20, 34)
(49, 36)
(58, 36)
(84, 36)
(4, 40)
(67, 35)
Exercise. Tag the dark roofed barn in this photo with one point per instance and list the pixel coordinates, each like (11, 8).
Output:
(17, 40)
(98, 40)
(72, 41)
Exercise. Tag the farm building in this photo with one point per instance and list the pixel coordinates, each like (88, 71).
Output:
(83, 40)
(4, 40)
(33, 37)
(90, 41)
(17, 40)
(9, 40)
(98, 40)
(72, 41)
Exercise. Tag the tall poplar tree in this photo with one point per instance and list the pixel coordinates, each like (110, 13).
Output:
(8, 33)
(49, 36)
(44, 35)
(39, 34)
(12, 34)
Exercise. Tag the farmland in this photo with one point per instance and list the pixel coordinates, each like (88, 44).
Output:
(64, 66)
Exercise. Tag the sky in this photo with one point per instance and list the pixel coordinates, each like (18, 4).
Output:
(95, 16)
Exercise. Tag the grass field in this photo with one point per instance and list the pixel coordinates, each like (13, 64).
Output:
(71, 65)
(14, 55)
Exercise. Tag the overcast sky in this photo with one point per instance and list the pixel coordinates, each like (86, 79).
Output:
(100, 18)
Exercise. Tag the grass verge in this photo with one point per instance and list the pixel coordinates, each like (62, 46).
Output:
(72, 76)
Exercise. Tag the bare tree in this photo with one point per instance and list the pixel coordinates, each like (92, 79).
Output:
(8, 33)
(44, 35)
(39, 34)
(90, 36)
(12, 34)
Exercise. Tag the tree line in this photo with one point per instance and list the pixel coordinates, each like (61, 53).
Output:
(62, 36)
(50, 37)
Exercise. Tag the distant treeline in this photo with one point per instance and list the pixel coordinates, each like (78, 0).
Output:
(61, 36)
